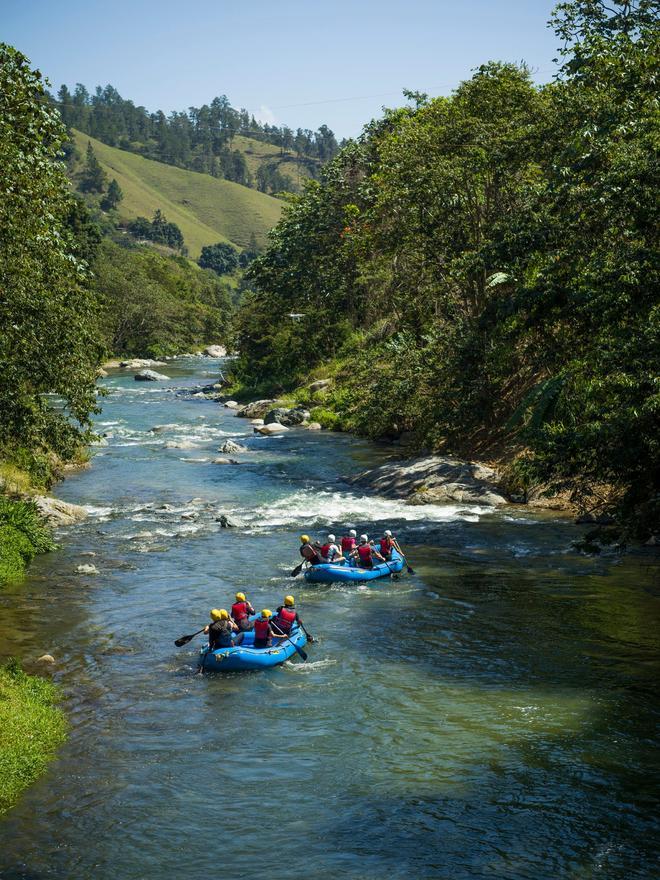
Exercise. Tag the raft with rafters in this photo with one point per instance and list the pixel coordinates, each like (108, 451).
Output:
(328, 573)
(246, 657)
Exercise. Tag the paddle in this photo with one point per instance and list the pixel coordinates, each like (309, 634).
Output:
(296, 571)
(409, 568)
(302, 653)
(310, 638)
(185, 639)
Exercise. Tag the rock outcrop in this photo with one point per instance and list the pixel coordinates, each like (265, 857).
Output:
(255, 410)
(229, 447)
(215, 351)
(150, 376)
(269, 430)
(434, 479)
(59, 513)
(285, 416)
(140, 363)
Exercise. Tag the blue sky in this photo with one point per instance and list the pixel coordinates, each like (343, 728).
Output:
(288, 61)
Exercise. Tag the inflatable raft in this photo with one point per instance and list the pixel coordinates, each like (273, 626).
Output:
(329, 573)
(246, 656)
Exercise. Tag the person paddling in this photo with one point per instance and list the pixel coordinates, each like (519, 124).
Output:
(348, 542)
(309, 552)
(286, 615)
(365, 553)
(241, 611)
(387, 544)
(263, 630)
(221, 630)
(331, 552)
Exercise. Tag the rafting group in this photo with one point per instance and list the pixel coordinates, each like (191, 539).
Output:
(242, 639)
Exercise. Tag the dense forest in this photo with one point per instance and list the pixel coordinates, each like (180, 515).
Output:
(478, 273)
(200, 139)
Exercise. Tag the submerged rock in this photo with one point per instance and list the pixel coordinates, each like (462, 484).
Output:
(88, 568)
(224, 461)
(150, 376)
(230, 446)
(434, 479)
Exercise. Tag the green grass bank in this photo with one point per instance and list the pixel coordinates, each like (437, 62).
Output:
(32, 726)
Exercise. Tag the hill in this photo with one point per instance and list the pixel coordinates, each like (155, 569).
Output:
(258, 153)
(206, 209)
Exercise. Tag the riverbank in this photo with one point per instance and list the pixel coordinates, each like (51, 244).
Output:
(32, 727)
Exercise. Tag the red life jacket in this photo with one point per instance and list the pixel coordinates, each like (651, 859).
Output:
(262, 628)
(313, 557)
(239, 611)
(386, 545)
(347, 544)
(285, 619)
(364, 552)
(325, 549)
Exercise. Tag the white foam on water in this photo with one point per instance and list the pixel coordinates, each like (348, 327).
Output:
(312, 666)
(322, 508)
(98, 512)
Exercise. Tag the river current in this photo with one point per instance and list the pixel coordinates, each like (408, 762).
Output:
(494, 715)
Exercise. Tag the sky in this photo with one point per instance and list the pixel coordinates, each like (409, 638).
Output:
(295, 62)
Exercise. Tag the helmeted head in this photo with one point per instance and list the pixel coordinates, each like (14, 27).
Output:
(332, 539)
(266, 613)
(352, 533)
(240, 597)
(304, 539)
(364, 539)
(219, 614)
(388, 533)
(289, 601)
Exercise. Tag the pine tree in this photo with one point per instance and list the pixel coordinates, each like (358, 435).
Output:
(113, 196)
(93, 178)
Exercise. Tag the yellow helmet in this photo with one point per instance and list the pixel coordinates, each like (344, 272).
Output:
(216, 614)
(304, 539)
(266, 613)
(289, 600)
(240, 597)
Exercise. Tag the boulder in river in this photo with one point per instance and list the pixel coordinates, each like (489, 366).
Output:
(255, 410)
(231, 404)
(215, 351)
(59, 513)
(285, 416)
(150, 376)
(230, 446)
(161, 429)
(434, 479)
(269, 430)
(228, 522)
(46, 658)
(224, 461)
(87, 568)
(313, 426)
(140, 363)
(256, 421)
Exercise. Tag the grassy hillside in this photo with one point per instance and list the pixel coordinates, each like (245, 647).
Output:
(258, 153)
(206, 209)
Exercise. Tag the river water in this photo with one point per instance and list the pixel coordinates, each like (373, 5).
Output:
(493, 716)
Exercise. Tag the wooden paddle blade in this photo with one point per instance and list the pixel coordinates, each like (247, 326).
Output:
(183, 641)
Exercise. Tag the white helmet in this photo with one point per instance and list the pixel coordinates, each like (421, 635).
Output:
(331, 538)
(364, 539)
(353, 533)
(388, 533)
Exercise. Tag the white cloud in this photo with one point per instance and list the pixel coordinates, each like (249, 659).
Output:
(265, 115)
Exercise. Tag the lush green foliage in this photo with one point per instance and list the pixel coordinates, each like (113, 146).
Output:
(156, 304)
(159, 230)
(22, 536)
(93, 178)
(31, 729)
(221, 258)
(201, 139)
(482, 269)
(113, 196)
(48, 334)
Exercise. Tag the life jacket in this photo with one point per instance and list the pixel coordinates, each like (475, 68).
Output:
(386, 545)
(239, 611)
(314, 558)
(325, 550)
(347, 544)
(285, 619)
(262, 629)
(364, 552)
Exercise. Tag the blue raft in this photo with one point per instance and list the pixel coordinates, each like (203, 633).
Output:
(246, 656)
(329, 573)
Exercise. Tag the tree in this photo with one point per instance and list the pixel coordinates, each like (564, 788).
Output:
(222, 258)
(113, 196)
(48, 314)
(93, 178)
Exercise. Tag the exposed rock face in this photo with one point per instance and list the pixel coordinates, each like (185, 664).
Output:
(59, 513)
(319, 385)
(273, 428)
(229, 447)
(215, 351)
(150, 376)
(288, 417)
(140, 363)
(435, 479)
(256, 410)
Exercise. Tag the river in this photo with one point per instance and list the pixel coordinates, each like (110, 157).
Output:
(494, 715)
